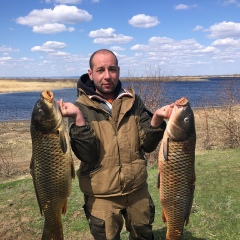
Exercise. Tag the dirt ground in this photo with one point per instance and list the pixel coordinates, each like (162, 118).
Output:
(16, 145)
(16, 150)
(15, 137)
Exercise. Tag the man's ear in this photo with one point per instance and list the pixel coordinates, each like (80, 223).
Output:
(90, 74)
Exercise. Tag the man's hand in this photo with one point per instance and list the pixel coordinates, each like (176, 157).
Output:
(70, 110)
(160, 114)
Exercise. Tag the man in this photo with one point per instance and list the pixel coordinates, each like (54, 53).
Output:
(111, 130)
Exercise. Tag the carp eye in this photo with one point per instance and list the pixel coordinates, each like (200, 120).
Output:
(186, 120)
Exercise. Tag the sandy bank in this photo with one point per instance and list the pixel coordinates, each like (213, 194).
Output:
(29, 85)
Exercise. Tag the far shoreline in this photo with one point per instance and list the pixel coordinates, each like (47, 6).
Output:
(14, 85)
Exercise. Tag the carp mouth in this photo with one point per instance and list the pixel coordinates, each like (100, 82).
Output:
(47, 95)
(182, 102)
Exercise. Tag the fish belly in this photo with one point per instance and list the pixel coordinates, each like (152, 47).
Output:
(177, 179)
(52, 180)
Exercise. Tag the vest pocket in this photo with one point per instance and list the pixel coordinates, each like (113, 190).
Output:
(90, 171)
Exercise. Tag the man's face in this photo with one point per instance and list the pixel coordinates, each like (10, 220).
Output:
(105, 74)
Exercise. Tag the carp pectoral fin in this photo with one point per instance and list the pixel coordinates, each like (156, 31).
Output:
(72, 170)
(164, 215)
(62, 140)
(35, 186)
(166, 149)
(64, 209)
(158, 182)
(31, 164)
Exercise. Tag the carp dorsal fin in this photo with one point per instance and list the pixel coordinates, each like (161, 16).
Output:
(62, 140)
(166, 149)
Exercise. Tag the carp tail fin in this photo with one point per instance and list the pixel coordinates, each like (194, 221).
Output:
(50, 233)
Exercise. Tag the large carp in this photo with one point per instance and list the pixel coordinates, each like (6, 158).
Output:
(176, 169)
(51, 166)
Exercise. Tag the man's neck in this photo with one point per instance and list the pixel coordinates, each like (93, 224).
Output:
(109, 97)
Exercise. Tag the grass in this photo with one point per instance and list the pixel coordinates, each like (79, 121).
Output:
(215, 213)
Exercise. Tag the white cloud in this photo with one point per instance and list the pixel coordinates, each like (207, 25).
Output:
(184, 6)
(60, 14)
(64, 1)
(206, 50)
(141, 47)
(60, 54)
(120, 39)
(107, 36)
(3, 59)
(198, 28)
(117, 48)
(42, 20)
(8, 49)
(181, 7)
(160, 40)
(102, 33)
(25, 59)
(224, 29)
(185, 54)
(228, 2)
(49, 46)
(227, 42)
(166, 47)
(230, 61)
(119, 55)
(143, 21)
(52, 28)
(138, 54)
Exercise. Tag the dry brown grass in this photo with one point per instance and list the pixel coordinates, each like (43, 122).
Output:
(15, 149)
(218, 128)
(8, 86)
(214, 128)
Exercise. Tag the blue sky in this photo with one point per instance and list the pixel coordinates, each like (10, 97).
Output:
(51, 38)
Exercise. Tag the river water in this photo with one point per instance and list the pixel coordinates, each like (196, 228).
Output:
(214, 92)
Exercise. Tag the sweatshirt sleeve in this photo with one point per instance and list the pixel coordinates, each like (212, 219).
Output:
(149, 136)
(84, 143)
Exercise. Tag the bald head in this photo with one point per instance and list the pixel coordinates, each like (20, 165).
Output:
(101, 51)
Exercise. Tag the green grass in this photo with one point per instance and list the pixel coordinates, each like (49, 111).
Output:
(215, 213)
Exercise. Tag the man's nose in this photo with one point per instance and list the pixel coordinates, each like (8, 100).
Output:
(107, 74)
